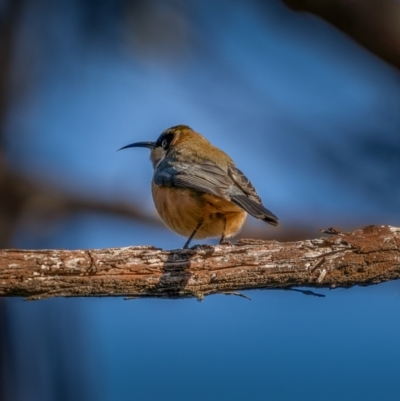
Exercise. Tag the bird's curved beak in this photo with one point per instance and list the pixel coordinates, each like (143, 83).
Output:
(150, 145)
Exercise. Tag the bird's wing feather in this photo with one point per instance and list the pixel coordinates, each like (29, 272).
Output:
(204, 177)
(243, 183)
(209, 178)
(247, 197)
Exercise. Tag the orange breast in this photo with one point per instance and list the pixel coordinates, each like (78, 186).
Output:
(183, 209)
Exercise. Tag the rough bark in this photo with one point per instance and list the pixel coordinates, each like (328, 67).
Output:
(367, 256)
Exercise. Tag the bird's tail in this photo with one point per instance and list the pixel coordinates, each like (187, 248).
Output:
(257, 210)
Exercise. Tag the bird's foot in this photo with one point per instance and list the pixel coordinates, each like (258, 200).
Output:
(331, 231)
(226, 242)
(199, 247)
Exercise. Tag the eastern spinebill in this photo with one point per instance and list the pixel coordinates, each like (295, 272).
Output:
(197, 189)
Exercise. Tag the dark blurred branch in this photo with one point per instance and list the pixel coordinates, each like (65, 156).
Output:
(10, 16)
(20, 195)
(9, 22)
(362, 257)
(373, 23)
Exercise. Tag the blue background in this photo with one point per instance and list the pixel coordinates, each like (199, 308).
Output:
(312, 118)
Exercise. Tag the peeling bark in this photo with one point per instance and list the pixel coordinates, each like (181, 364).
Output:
(367, 256)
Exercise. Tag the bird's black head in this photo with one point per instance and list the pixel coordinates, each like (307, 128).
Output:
(169, 135)
(160, 148)
(165, 139)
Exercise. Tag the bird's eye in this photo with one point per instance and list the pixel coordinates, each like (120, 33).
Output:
(164, 143)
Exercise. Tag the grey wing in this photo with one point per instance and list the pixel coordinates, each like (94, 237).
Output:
(243, 183)
(209, 178)
(245, 195)
(203, 177)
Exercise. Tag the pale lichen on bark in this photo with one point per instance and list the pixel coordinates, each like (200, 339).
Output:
(367, 256)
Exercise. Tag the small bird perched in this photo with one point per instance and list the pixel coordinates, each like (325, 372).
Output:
(197, 189)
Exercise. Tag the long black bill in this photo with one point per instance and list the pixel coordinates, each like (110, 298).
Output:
(150, 145)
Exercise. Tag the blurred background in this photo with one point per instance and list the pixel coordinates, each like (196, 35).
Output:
(303, 95)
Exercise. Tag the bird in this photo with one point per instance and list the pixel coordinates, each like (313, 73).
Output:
(197, 189)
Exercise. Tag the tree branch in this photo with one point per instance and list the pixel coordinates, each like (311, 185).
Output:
(367, 256)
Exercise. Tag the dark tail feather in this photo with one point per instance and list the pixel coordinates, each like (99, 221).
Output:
(257, 210)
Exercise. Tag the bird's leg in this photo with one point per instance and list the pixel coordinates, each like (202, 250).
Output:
(192, 235)
(223, 240)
